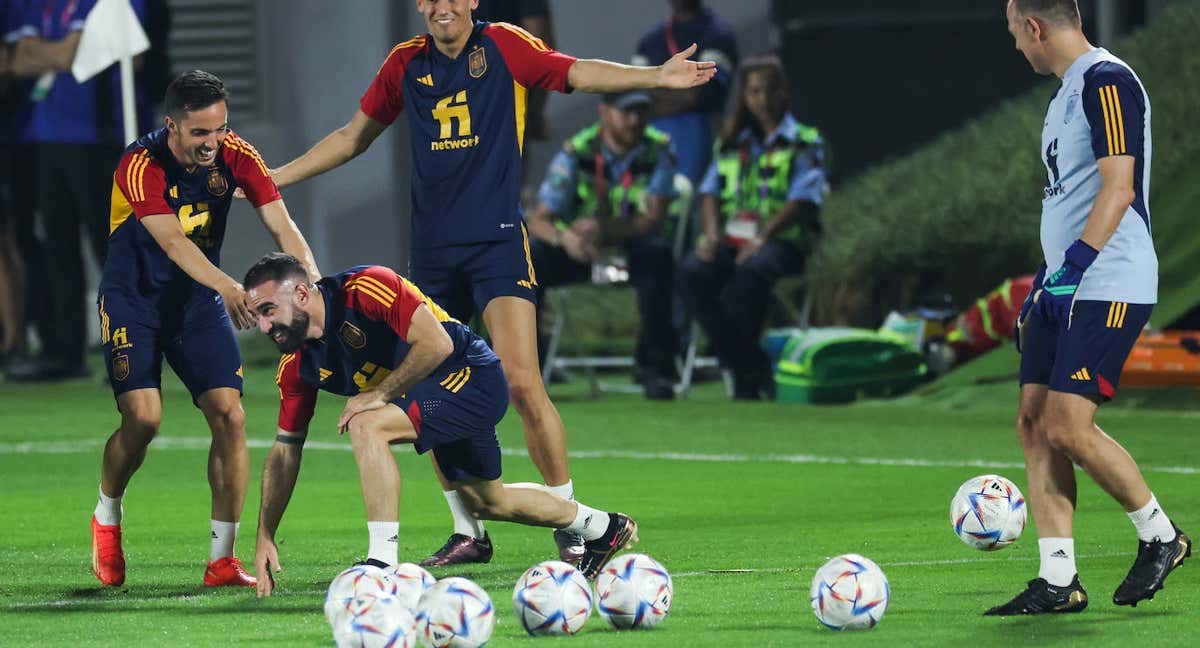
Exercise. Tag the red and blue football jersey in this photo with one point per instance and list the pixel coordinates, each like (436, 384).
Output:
(149, 181)
(368, 310)
(466, 119)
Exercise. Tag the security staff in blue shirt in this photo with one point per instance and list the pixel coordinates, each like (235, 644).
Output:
(610, 186)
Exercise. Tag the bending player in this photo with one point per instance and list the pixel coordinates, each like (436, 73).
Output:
(413, 375)
(464, 86)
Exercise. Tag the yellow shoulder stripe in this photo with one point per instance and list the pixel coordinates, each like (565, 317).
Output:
(533, 41)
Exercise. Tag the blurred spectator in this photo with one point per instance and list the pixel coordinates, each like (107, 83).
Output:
(534, 17)
(760, 203)
(77, 137)
(19, 249)
(686, 115)
(610, 186)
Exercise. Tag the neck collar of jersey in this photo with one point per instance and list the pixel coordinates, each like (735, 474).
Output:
(441, 57)
(1085, 61)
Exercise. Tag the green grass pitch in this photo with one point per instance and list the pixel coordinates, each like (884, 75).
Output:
(772, 489)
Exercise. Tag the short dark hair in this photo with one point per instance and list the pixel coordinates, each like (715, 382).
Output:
(1060, 12)
(277, 267)
(193, 90)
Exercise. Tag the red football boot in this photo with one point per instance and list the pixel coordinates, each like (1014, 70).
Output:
(108, 561)
(228, 571)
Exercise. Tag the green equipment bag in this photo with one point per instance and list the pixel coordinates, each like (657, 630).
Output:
(839, 365)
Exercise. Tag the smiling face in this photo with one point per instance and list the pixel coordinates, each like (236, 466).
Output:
(448, 20)
(197, 136)
(281, 316)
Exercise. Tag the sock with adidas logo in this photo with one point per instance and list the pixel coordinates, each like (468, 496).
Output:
(385, 542)
(1058, 560)
(589, 522)
(1152, 523)
(224, 534)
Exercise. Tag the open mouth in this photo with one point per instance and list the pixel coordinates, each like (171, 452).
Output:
(205, 156)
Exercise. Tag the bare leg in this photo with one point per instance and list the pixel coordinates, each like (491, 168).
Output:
(527, 504)
(1051, 484)
(228, 459)
(1071, 429)
(141, 415)
(371, 435)
(512, 322)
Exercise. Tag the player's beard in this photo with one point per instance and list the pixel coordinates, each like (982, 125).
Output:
(293, 334)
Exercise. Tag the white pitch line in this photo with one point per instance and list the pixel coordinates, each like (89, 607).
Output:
(202, 443)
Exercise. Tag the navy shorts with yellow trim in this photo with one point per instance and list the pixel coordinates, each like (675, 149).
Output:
(463, 278)
(1086, 358)
(455, 414)
(199, 346)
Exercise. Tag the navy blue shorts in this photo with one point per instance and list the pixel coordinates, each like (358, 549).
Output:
(463, 278)
(200, 348)
(455, 415)
(1088, 357)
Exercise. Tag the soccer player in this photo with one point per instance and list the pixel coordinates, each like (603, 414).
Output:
(414, 375)
(1080, 321)
(162, 295)
(464, 84)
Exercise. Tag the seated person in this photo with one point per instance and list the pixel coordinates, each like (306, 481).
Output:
(760, 202)
(610, 186)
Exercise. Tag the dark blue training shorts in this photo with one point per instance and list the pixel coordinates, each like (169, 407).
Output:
(1087, 356)
(463, 278)
(455, 415)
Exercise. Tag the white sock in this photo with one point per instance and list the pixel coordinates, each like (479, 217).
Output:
(1151, 522)
(109, 510)
(589, 522)
(1058, 560)
(464, 522)
(565, 491)
(223, 536)
(385, 542)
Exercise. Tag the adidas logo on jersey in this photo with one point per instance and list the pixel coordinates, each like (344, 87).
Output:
(1082, 374)
(426, 80)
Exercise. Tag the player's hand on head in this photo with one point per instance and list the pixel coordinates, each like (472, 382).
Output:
(679, 72)
(240, 312)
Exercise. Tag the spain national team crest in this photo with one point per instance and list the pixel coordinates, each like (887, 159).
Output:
(1072, 106)
(353, 335)
(217, 184)
(120, 366)
(477, 63)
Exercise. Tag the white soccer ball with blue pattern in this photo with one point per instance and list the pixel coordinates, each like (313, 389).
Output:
(552, 598)
(634, 591)
(850, 593)
(455, 613)
(348, 588)
(379, 621)
(409, 582)
(988, 512)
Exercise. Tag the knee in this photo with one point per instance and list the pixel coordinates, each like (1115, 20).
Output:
(229, 422)
(141, 425)
(364, 431)
(1060, 433)
(482, 509)
(1029, 429)
(525, 388)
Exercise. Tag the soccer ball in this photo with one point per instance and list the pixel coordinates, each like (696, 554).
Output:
(378, 621)
(552, 598)
(455, 613)
(849, 593)
(634, 591)
(988, 512)
(347, 590)
(409, 581)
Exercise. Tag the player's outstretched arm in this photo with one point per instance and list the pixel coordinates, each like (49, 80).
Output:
(275, 217)
(280, 472)
(596, 75)
(429, 346)
(168, 233)
(338, 147)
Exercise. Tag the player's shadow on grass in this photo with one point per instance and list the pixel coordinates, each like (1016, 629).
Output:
(1071, 627)
(196, 600)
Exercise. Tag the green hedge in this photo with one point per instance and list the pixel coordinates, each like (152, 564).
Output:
(962, 213)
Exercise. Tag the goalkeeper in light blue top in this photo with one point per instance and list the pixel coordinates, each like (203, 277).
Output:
(1089, 303)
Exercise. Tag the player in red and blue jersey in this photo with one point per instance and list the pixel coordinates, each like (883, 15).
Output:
(464, 86)
(162, 294)
(414, 374)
